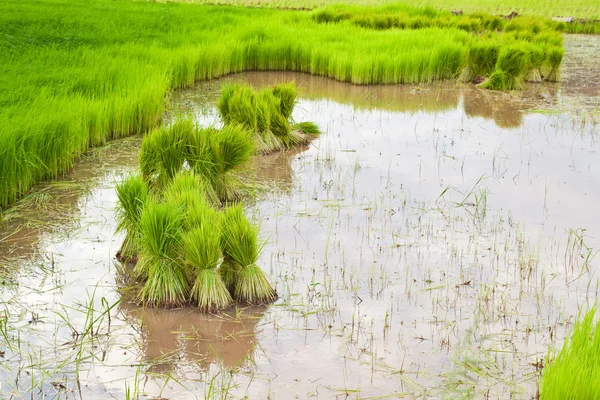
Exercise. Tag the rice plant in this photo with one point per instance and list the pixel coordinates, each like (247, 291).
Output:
(574, 373)
(508, 74)
(159, 263)
(240, 243)
(133, 193)
(266, 113)
(554, 55)
(203, 255)
(66, 89)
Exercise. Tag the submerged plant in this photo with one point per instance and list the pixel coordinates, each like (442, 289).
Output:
(575, 371)
(133, 193)
(241, 247)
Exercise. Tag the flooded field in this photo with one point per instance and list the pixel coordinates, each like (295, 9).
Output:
(434, 242)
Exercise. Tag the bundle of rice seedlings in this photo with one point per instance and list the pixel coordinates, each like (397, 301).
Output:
(229, 149)
(287, 95)
(202, 248)
(533, 67)
(163, 152)
(188, 188)
(241, 246)
(508, 74)
(307, 128)
(161, 226)
(574, 373)
(266, 114)
(133, 193)
(554, 57)
(481, 60)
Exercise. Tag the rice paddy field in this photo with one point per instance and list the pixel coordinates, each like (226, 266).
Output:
(216, 202)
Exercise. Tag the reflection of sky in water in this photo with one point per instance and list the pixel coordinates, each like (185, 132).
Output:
(370, 275)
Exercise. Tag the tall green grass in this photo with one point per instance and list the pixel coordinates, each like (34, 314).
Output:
(574, 373)
(133, 193)
(266, 113)
(71, 77)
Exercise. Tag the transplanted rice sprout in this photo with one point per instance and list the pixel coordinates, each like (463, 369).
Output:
(203, 255)
(133, 193)
(160, 261)
(266, 113)
(240, 242)
(574, 373)
(163, 152)
(508, 74)
(554, 55)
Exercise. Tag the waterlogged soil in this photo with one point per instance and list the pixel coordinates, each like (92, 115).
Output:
(434, 242)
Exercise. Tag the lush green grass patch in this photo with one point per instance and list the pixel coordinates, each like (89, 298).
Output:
(75, 74)
(574, 373)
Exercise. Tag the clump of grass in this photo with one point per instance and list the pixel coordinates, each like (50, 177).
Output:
(266, 113)
(202, 248)
(241, 247)
(508, 74)
(133, 193)
(163, 152)
(159, 263)
(554, 56)
(534, 64)
(575, 371)
(481, 60)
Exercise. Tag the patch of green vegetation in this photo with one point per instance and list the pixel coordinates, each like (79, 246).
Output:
(187, 249)
(72, 77)
(574, 373)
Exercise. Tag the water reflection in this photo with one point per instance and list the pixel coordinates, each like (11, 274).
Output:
(169, 336)
(505, 109)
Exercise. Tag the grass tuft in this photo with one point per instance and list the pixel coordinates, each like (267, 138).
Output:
(574, 373)
(241, 246)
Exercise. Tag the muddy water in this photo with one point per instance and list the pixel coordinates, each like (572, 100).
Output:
(425, 245)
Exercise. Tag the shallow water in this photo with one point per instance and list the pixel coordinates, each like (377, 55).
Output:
(424, 246)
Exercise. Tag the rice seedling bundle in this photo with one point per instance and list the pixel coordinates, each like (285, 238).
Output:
(203, 255)
(133, 193)
(574, 373)
(508, 74)
(241, 247)
(554, 56)
(159, 262)
(266, 113)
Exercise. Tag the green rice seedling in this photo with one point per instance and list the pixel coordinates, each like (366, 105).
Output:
(241, 246)
(166, 280)
(508, 74)
(307, 128)
(481, 60)
(574, 373)
(535, 61)
(229, 270)
(203, 255)
(133, 193)
(163, 152)
(554, 56)
(189, 188)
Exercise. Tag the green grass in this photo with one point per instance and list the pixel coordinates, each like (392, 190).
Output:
(241, 247)
(74, 74)
(166, 281)
(574, 373)
(266, 113)
(546, 8)
(133, 193)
